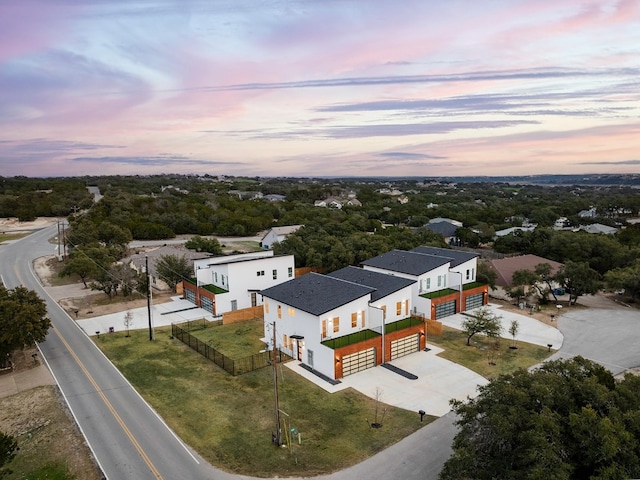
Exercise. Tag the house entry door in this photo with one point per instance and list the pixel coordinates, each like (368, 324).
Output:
(254, 301)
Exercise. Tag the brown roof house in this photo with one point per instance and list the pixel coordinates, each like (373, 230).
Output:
(505, 267)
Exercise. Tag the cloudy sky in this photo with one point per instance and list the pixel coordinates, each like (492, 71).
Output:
(319, 87)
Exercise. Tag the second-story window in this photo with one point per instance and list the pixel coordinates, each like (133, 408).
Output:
(275, 274)
(290, 272)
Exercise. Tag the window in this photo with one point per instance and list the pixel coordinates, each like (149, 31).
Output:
(406, 307)
(354, 320)
(290, 272)
(439, 280)
(285, 341)
(215, 277)
(324, 329)
(275, 274)
(428, 283)
(222, 276)
(260, 273)
(266, 306)
(473, 273)
(398, 308)
(336, 324)
(468, 274)
(291, 312)
(279, 311)
(234, 304)
(362, 323)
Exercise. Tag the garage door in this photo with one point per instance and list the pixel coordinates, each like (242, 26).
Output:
(445, 309)
(359, 361)
(405, 346)
(474, 301)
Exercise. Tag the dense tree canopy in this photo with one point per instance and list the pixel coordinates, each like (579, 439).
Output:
(23, 319)
(565, 420)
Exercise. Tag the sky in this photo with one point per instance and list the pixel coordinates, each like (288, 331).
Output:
(309, 88)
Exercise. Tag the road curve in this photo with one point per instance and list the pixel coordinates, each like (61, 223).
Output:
(127, 437)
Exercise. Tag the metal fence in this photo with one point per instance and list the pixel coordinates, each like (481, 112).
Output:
(234, 366)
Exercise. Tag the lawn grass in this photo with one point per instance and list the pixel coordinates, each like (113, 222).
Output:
(229, 420)
(237, 340)
(476, 356)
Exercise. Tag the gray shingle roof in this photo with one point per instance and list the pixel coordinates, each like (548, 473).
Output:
(446, 229)
(316, 294)
(457, 256)
(384, 284)
(410, 263)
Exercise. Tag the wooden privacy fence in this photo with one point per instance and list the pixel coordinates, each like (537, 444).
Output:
(234, 366)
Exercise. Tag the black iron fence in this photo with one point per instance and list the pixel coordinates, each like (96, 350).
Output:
(234, 366)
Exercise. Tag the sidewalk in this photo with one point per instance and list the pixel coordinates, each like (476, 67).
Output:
(12, 383)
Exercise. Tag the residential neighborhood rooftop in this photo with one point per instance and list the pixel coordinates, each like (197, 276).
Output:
(410, 263)
(457, 256)
(384, 284)
(316, 294)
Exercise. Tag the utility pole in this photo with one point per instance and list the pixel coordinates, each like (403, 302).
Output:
(146, 262)
(277, 437)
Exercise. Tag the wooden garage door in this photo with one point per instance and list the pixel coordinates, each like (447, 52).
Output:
(359, 361)
(474, 301)
(445, 309)
(405, 346)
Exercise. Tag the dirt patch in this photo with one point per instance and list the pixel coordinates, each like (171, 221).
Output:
(46, 433)
(13, 225)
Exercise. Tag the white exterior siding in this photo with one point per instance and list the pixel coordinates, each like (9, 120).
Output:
(402, 296)
(242, 277)
(296, 322)
(468, 270)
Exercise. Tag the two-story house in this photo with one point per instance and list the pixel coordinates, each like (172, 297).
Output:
(338, 325)
(444, 279)
(232, 282)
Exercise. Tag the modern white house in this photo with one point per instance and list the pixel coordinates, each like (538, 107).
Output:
(277, 235)
(334, 327)
(232, 282)
(356, 318)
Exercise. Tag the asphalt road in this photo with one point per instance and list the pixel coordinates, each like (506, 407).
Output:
(131, 442)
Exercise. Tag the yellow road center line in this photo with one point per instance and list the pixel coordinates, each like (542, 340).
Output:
(106, 401)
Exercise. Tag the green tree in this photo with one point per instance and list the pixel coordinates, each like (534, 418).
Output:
(8, 448)
(172, 269)
(201, 244)
(484, 322)
(79, 264)
(578, 279)
(23, 319)
(625, 278)
(564, 420)
(514, 328)
(486, 275)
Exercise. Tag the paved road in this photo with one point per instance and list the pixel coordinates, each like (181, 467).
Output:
(131, 441)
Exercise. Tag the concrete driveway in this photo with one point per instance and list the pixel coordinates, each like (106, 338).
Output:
(438, 381)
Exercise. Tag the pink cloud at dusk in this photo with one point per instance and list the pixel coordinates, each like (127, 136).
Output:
(308, 88)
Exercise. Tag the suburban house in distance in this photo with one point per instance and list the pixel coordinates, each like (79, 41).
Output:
(356, 318)
(445, 227)
(506, 267)
(277, 235)
(232, 282)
